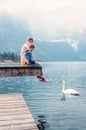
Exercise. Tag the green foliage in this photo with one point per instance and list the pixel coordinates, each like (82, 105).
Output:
(9, 56)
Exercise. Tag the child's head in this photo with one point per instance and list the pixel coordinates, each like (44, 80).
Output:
(31, 47)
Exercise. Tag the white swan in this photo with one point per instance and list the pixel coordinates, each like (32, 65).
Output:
(68, 91)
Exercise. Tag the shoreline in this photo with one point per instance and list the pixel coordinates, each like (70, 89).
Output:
(9, 62)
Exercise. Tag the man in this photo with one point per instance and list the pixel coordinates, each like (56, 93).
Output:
(25, 47)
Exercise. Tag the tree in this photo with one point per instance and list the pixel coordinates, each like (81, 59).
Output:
(10, 56)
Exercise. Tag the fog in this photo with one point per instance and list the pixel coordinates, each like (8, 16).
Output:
(47, 15)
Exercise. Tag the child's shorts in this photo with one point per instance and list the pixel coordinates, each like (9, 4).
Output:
(23, 64)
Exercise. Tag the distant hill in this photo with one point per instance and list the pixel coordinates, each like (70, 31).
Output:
(55, 51)
(14, 33)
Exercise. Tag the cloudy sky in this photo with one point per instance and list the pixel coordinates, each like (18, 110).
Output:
(47, 15)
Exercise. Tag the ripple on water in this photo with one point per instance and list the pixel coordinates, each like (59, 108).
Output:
(44, 100)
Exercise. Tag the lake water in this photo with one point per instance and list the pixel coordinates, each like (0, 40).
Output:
(44, 99)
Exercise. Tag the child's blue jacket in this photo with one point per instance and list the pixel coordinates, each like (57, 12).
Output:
(29, 56)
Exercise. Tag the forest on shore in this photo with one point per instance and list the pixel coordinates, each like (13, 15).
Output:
(9, 56)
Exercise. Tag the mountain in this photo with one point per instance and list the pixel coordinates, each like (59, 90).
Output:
(67, 46)
(12, 34)
(55, 51)
(77, 40)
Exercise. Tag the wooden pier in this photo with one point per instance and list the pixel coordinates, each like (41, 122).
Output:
(30, 70)
(14, 113)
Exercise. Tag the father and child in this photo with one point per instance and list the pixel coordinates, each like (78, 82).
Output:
(27, 57)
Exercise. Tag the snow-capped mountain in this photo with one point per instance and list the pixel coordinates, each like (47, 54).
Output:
(68, 46)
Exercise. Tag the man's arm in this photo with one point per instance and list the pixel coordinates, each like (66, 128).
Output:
(22, 54)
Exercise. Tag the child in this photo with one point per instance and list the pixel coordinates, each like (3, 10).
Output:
(28, 54)
(29, 57)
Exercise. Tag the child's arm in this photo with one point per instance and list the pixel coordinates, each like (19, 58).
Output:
(30, 57)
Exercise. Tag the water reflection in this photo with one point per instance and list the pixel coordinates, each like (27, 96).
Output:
(63, 97)
(42, 122)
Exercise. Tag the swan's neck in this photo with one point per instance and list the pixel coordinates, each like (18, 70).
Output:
(63, 87)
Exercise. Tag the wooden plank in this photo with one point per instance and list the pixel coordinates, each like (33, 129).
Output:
(15, 115)
(18, 127)
(30, 70)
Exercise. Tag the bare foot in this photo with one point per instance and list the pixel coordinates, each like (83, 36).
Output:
(43, 79)
(46, 80)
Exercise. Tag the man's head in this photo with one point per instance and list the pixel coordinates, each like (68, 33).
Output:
(31, 47)
(30, 40)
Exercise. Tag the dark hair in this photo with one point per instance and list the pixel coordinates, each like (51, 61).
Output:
(30, 39)
(32, 46)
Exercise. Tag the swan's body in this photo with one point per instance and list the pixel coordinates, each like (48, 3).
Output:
(69, 91)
